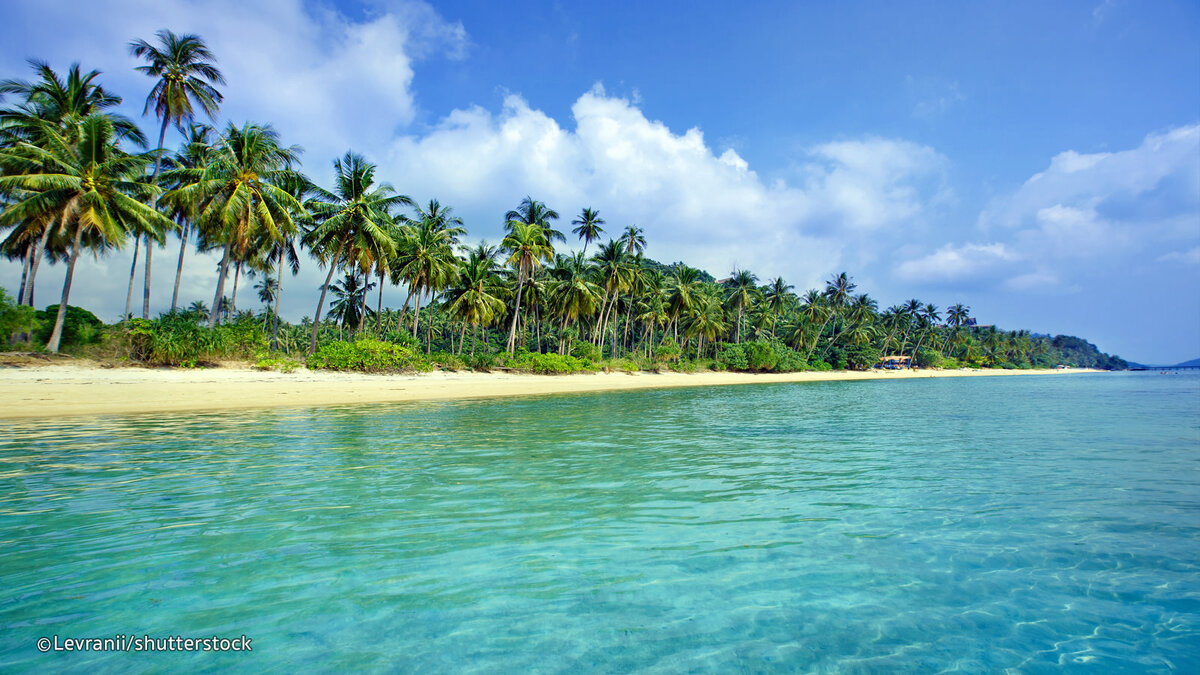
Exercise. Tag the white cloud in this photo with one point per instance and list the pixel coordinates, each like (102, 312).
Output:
(1083, 215)
(1191, 257)
(706, 208)
(955, 263)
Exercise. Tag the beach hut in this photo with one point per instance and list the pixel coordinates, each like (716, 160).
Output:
(894, 362)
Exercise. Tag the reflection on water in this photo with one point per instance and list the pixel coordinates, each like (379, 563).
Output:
(977, 524)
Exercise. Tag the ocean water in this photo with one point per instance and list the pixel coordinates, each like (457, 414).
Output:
(1031, 524)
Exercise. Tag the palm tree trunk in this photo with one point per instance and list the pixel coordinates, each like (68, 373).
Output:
(512, 329)
(25, 259)
(429, 327)
(362, 315)
(275, 322)
(474, 331)
(34, 265)
(146, 282)
(137, 242)
(379, 305)
(183, 237)
(333, 265)
(224, 269)
(56, 334)
(462, 338)
(417, 315)
(237, 275)
(162, 134)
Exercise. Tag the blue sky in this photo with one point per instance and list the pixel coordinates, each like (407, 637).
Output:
(1039, 162)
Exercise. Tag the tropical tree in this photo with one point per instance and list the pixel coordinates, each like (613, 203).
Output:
(185, 79)
(537, 213)
(476, 296)
(634, 240)
(528, 247)
(589, 222)
(92, 186)
(355, 216)
(741, 291)
(239, 201)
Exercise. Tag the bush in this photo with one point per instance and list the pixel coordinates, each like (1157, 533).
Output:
(178, 340)
(14, 318)
(446, 361)
(760, 356)
(790, 360)
(483, 362)
(732, 356)
(281, 365)
(581, 349)
(667, 352)
(622, 365)
(862, 357)
(368, 356)
(80, 327)
(820, 366)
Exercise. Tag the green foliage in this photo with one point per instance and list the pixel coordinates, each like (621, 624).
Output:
(14, 318)
(279, 364)
(667, 352)
(820, 366)
(862, 357)
(545, 364)
(760, 356)
(732, 356)
(177, 339)
(80, 327)
(366, 355)
(1080, 353)
(790, 360)
(483, 362)
(582, 349)
(446, 361)
(622, 365)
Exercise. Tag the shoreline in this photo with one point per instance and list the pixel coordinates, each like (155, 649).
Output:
(56, 391)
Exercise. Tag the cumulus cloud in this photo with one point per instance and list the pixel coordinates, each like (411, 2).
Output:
(696, 204)
(1084, 214)
(953, 263)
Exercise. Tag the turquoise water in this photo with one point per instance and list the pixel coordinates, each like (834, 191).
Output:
(973, 524)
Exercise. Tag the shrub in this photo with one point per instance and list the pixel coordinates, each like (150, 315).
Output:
(760, 356)
(281, 365)
(582, 349)
(732, 356)
(862, 357)
(14, 318)
(622, 365)
(367, 355)
(483, 362)
(446, 361)
(667, 352)
(820, 366)
(79, 326)
(790, 360)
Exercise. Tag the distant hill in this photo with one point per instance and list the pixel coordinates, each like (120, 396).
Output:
(1186, 364)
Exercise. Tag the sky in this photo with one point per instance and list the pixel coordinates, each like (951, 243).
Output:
(1037, 162)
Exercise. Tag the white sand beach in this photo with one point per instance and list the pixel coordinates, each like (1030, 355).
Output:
(66, 390)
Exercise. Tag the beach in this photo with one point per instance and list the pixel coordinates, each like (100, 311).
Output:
(62, 390)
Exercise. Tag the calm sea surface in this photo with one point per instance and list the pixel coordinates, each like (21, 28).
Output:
(1028, 523)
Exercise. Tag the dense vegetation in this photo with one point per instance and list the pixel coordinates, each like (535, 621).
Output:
(75, 178)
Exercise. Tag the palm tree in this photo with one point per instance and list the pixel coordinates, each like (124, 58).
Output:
(589, 222)
(238, 195)
(527, 246)
(185, 79)
(537, 213)
(741, 292)
(776, 298)
(62, 104)
(572, 295)
(425, 260)
(476, 296)
(355, 216)
(192, 155)
(348, 298)
(634, 240)
(956, 317)
(92, 185)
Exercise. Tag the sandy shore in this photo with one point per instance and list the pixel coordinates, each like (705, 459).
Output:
(62, 390)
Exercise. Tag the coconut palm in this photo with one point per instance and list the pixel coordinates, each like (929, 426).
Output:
(589, 222)
(353, 217)
(528, 247)
(476, 296)
(634, 240)
(92, 186)
(776, 298)
(741, 291)
(533, 211)
(238, 198)
(185, 78)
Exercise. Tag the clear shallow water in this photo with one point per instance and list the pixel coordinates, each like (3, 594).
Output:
(973, 524)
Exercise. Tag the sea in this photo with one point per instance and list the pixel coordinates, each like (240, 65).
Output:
(1037, 523)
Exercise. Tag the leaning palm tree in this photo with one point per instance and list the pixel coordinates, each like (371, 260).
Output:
(238, 195)
(527, 246)
(589, 222)
(353, 217)
(185, 78)
(741, 292)
(92, 186)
